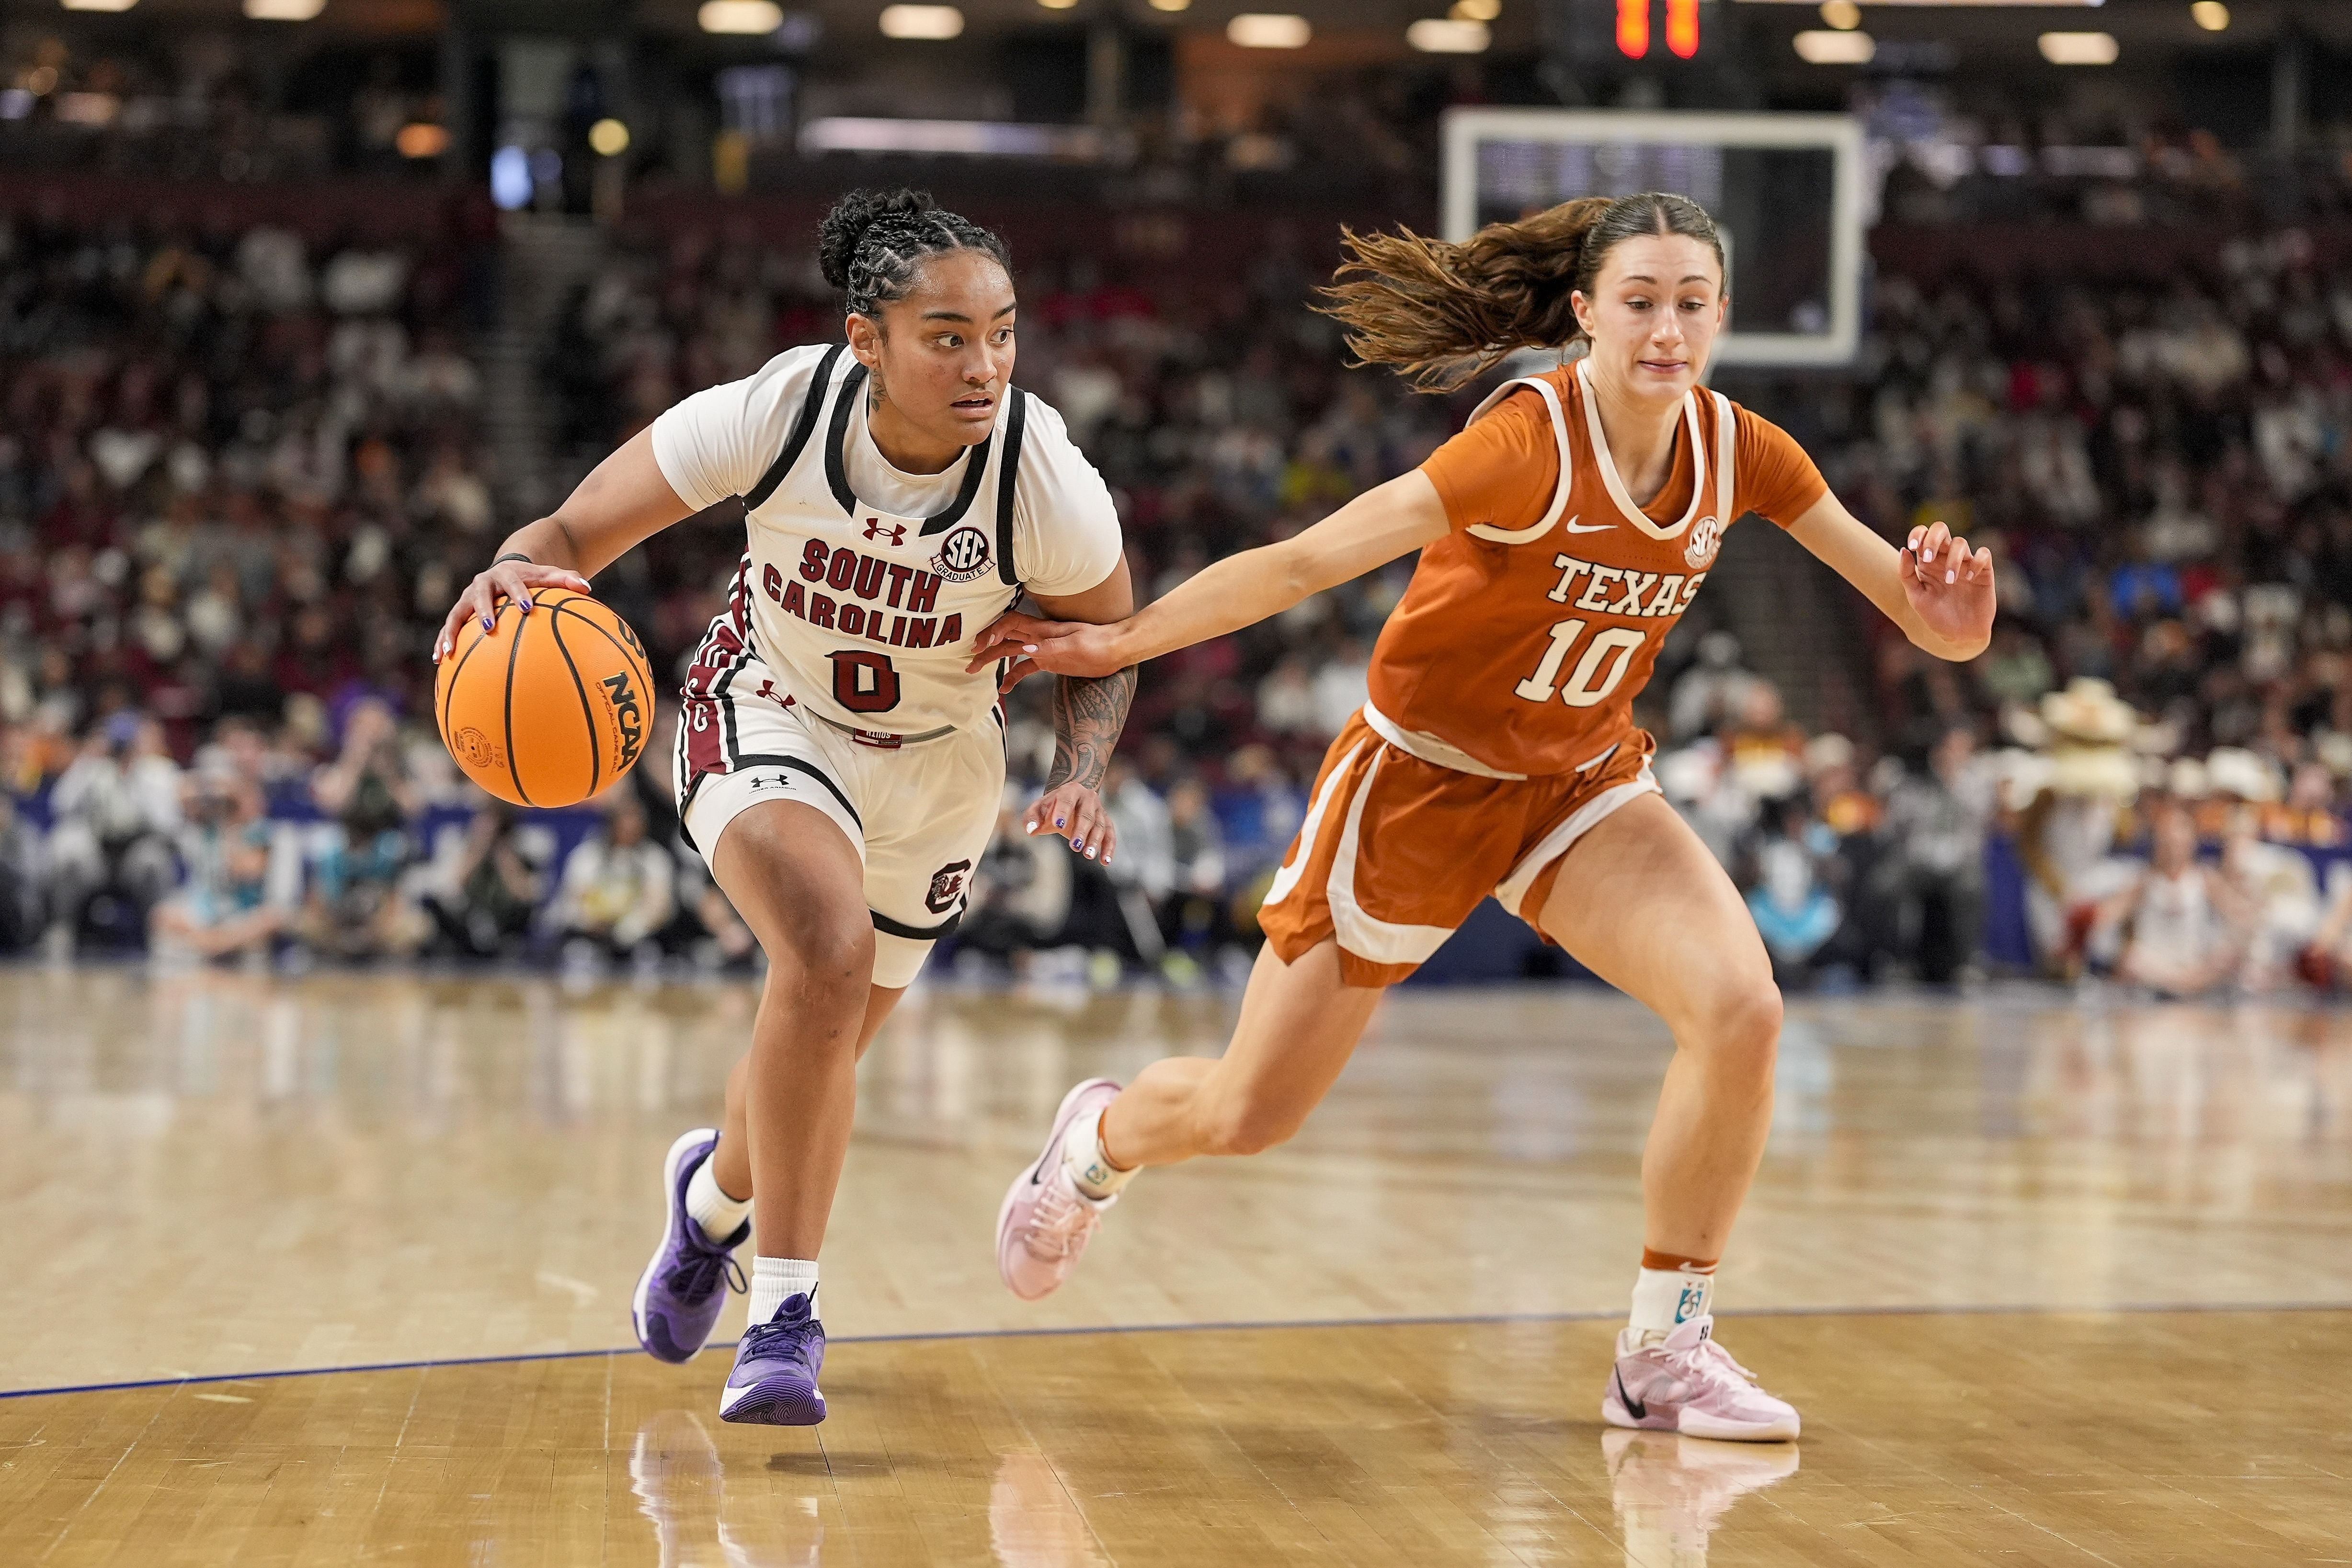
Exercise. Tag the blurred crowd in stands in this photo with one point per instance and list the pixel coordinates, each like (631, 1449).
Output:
(242, 476)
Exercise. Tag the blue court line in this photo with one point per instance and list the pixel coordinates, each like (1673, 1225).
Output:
(1467, 1319)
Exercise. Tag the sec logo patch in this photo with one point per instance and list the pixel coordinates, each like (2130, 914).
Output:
(964, 555)
(1705, 539)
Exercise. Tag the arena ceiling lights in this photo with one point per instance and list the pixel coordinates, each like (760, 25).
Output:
(2079, 49)
(283, 10)
(1955, 4)
(1269, 30)
(1442, 35)
(933, 22)
(1835, 48)
(98, 5)
(750, 17)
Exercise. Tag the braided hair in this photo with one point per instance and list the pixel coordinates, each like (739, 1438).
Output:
(873, 243)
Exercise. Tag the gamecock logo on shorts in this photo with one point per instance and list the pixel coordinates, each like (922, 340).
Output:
(947, 886)
(1705, 539)
(963, 556)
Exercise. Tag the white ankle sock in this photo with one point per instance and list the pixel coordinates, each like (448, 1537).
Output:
(774, 1279)
(720, 1216)
(1666, 1298)
(1082, 1151)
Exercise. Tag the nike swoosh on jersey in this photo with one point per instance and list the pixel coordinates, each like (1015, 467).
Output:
(1574, 527)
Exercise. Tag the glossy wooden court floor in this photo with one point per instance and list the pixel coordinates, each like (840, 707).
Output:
(325, 1271)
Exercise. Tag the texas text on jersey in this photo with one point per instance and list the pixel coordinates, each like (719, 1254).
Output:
(1525, 634)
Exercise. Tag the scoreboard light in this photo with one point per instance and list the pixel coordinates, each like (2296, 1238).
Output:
(1633, 28)
(1682, 27)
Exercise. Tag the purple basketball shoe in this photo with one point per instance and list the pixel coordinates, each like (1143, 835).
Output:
(680, 1292)
(776, 1363)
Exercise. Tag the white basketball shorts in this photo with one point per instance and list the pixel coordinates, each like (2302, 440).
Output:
(921, 814)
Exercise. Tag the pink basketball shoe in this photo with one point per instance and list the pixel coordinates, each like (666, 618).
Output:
(1046, 1221)
(1687, 1382)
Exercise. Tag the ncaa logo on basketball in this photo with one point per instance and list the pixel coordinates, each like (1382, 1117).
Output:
(964, 555)
(1707, 538)
(625, 716)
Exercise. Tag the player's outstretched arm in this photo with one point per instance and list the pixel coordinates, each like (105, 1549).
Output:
(1934, 587)
(1089, 711)
(1242, 590)
(623, 501)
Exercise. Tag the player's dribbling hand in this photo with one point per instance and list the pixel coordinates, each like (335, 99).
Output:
(502, 580)
(1951, 588)
(1074, 812)
(1052, 647)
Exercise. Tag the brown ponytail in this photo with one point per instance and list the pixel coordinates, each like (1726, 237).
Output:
(1443, 313)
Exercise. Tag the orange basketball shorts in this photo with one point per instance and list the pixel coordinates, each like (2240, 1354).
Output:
(1396, 852)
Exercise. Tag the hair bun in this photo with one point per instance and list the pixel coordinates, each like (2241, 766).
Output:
(855, 213)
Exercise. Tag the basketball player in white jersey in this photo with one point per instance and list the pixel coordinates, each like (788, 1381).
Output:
(836, 766)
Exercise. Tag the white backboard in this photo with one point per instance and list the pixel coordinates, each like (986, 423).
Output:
(1785, 189)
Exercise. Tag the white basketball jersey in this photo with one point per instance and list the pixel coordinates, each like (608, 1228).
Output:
(865, 616)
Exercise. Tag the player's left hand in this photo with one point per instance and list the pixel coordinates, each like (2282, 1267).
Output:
(1056, 647)
(1949, 588)
(1076, 813)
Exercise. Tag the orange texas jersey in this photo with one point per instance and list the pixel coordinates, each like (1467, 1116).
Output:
(1525, 632)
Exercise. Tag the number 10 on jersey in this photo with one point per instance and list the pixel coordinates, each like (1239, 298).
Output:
(1588, 686)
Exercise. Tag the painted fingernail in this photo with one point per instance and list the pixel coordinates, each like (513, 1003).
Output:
(525, 606)
(1951, 577)
(1061, 822)
(1090, 854)
(1078, 843)
(490, 623)
(1028, 647)
(1031, 830)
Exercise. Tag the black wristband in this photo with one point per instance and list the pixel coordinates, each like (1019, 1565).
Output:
(515, 555)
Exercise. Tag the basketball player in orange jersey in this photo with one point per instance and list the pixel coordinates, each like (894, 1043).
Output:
(837, 766)
(1562, 535)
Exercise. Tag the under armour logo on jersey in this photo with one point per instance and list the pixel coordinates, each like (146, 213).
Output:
(874, 530)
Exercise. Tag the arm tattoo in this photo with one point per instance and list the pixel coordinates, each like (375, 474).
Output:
(1087, 716)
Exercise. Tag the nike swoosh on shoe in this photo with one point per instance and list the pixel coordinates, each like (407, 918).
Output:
(1633, 1406)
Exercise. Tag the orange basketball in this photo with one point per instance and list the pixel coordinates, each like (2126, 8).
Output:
(550, 707)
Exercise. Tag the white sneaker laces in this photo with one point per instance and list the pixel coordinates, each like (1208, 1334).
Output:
(1708, 1361)
(1061, 1219)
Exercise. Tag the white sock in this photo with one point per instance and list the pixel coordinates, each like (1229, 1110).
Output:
(1082, 1151)
(720, 1216)
(774, 1279)
(1666, 1298)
